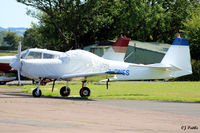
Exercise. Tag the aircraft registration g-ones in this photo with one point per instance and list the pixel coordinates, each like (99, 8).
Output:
(80, 63)
(124, 72)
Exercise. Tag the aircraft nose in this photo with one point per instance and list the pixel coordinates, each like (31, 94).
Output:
(16, 65)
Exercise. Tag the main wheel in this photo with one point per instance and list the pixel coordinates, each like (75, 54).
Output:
(85, 92)
(35, 94)
(2, 82)
(65, 91)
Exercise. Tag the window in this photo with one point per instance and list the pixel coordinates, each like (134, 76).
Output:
(23, 54)
(47, 56)
(34, 55)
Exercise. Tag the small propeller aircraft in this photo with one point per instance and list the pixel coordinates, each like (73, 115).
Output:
(116, 52)
(80, 63)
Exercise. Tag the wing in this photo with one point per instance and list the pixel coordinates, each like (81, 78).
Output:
(69, 76)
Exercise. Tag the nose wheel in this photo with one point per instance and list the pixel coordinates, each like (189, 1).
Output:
(2, 82)
(36, 93)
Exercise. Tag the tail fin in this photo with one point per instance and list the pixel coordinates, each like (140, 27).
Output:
(118, 50)
(178, 56)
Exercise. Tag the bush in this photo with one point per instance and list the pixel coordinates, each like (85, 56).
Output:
(7, 48)
(195, 76)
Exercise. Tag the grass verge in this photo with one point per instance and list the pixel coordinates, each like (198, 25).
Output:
(161, 91)
(8, 52)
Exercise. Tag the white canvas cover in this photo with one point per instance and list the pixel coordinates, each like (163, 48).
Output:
(74, 61)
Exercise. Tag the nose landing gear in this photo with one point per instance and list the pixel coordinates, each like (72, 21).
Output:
(37, 92)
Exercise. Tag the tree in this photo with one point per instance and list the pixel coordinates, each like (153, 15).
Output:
(156, 20)
(2, 35)
(71, 24)
(57, 16)
(33, 38)
(66, 24)
(12, 39)
(191, 31)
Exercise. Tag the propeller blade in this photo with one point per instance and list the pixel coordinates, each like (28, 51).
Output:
(16, 65)
(18, 74)
(19, 51)
(18, 59)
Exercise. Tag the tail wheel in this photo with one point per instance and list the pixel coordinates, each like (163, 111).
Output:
(36, 94)
(85, 92)
(65, 91)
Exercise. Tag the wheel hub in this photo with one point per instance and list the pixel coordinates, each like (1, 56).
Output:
(85, 92)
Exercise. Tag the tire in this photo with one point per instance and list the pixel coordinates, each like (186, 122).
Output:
(85, 92)
(65, 92)
(34, 93)
(2, 82)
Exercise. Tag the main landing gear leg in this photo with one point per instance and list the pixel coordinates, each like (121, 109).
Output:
(37, 92)
(65, 90)
(85, 91)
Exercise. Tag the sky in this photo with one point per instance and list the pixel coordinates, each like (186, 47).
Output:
(13, 14)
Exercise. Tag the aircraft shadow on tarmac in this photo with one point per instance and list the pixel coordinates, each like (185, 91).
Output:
(24, 95)
(128, 95)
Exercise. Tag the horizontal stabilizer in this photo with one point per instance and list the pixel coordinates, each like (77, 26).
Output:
(158, 66)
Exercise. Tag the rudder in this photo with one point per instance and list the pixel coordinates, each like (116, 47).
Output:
(118, 50)
(178, 55)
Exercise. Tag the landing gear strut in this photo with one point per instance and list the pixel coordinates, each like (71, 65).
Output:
(65, 90)
(85, 91)
(37, 92)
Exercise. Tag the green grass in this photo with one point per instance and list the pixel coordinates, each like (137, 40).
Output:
(161, 91)
(8, 52)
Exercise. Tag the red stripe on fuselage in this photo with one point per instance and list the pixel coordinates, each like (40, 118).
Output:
(6, 68)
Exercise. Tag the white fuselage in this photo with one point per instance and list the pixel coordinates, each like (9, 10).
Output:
(79, 61)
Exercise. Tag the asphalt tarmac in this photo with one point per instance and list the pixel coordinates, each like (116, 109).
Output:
(21, 113)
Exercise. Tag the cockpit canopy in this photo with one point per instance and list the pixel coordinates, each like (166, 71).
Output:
(39, 54)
